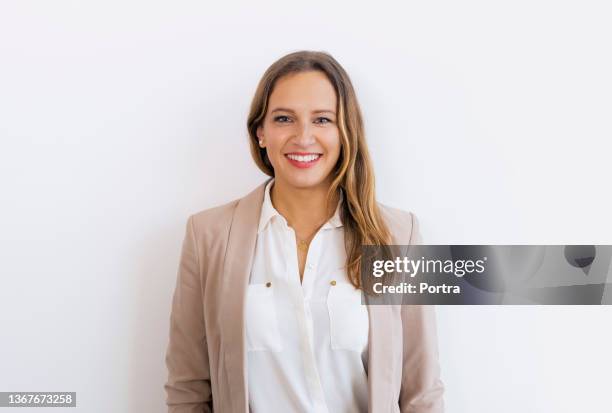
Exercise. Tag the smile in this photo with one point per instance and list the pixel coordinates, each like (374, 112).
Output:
(303, 160)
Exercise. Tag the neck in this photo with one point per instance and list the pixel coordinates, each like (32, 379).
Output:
(304, 208)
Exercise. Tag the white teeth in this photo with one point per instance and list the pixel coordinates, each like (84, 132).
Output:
(303, 158)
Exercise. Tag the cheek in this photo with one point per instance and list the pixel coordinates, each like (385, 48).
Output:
(333, 145)
(274, 142)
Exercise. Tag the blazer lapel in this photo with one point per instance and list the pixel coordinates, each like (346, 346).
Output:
(380, 364)
(383, 341)
(236, 273)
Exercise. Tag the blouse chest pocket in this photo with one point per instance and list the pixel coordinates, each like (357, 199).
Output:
(262, 330)
(348, 318)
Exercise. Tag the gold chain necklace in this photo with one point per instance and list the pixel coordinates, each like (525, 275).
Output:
(303, 244)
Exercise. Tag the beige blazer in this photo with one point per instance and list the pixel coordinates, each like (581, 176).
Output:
(206, 355)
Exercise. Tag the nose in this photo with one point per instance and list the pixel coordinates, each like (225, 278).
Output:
(304, 136)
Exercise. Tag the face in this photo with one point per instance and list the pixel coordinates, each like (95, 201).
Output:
(300, 131)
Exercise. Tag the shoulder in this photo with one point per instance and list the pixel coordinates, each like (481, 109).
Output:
(213, 220)
(395, 216)
(215, 223)
(207, 231)
(403, 224)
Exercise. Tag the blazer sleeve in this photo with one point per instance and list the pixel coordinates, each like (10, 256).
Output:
(188, 386)
(422, 389)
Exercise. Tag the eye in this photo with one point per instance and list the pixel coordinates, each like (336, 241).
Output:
(278, 118)
(327, 120)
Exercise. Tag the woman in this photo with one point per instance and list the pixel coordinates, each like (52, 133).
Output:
(266, 314)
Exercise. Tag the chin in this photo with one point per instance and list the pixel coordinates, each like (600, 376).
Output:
(303, 181)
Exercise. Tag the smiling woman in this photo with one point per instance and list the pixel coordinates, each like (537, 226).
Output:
(267, 313)
(301, 131)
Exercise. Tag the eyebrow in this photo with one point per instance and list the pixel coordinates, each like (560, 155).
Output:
(314, 111)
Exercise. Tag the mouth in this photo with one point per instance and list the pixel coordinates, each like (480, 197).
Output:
(303, 159)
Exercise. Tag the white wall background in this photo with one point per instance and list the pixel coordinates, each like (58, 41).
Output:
(491, 120)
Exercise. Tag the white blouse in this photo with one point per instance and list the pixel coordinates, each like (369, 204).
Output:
(307, 342)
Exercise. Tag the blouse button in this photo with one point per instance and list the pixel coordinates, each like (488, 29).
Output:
(268, 284)
(333, 282)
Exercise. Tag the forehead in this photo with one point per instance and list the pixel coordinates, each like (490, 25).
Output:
(304, 90)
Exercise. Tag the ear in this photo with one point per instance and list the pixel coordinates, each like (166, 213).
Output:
(260, 137)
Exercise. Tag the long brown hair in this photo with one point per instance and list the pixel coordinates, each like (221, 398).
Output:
(354, 175)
